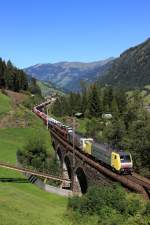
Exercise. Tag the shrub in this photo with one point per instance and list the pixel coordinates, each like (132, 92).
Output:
(34, 153)
(97, 198)
(147, 209)
(133, 206)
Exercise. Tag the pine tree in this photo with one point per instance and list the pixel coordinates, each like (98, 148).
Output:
(94, 102)
(2, 69)
(114, 107)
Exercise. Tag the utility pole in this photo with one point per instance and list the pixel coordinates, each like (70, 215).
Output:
(73, 142)
(47, 117)
(73, 164)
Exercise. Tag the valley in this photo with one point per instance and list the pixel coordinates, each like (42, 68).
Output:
(74, 112)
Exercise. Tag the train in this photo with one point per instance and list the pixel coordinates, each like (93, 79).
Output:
(118, 160)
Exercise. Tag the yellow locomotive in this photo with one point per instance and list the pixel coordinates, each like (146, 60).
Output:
(119, 161)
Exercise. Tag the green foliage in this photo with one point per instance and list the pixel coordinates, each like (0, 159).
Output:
(33, 100)
(11, 77)
(110, 205)
(114, 132)
(34, 152)
(33, 87)
(47, 89)
(94, 128)
(92, 102)
(4, 104)
(94, 106)
(147, 209)
(97, 198)
(131, 69)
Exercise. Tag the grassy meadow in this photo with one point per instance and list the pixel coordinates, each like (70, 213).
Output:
(4, 104)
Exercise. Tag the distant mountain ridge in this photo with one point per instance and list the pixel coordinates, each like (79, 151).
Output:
(131, 69)
(67, 75)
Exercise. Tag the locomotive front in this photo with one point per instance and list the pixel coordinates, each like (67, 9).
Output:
(126, 162)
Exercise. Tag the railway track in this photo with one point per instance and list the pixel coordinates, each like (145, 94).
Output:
(144, 182)
(38, 174)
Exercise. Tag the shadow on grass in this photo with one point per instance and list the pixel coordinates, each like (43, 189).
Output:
(14, 180)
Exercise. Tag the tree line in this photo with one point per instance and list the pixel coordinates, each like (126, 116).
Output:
(15, 79)
(12, 78)
(92, 102)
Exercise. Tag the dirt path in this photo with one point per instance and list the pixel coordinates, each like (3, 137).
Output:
(16, 98)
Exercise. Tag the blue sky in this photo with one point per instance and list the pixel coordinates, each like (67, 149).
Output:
(41, 31)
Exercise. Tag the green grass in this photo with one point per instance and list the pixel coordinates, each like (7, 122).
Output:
(48, 89)
(145, 94)
(147, 100)
(147, 86)
(82, 125)
(13, 138)
(24, 203)
(4, 104)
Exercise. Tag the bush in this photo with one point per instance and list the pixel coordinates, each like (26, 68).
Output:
(133, 206)
(111, 206)
(109, 216)
(147, 209)
(97, 198)
(34, 153)
(3, 91)
(31, 101)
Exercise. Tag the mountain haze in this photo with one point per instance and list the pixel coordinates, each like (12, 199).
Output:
(67, 75)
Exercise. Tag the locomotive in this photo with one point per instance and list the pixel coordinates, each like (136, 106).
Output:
(119, 161)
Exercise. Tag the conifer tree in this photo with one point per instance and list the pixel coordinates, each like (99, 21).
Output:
(94, 102)
(2, 69)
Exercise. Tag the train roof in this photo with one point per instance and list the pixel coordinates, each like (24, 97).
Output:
(121, 152)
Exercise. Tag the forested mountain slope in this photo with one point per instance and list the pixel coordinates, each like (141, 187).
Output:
(131, 69)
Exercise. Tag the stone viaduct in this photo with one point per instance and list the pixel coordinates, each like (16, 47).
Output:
(81, 173)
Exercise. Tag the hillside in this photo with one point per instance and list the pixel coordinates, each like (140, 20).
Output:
(48, 88)
(5, 104)
(67, 75)
(131, 69)
(22, 202)
(11, 77)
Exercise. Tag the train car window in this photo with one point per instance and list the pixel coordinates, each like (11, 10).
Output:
(125, 158)
(115, 157)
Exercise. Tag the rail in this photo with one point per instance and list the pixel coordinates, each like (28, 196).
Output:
(38, 174)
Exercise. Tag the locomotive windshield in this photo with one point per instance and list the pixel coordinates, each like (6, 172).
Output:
(125, 158)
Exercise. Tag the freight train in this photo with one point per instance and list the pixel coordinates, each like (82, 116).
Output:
(119, 161)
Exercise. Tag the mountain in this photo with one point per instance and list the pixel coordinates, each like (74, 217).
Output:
(67, 75)
(131, 69)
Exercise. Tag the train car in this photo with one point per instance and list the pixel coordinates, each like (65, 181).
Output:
(44, 117)
(119, 161)
(85, 144)
(58, 128)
